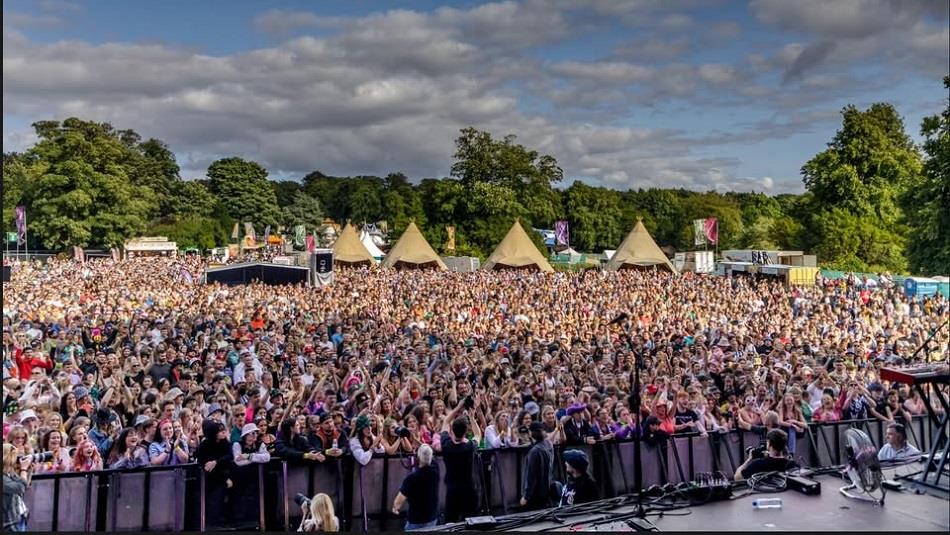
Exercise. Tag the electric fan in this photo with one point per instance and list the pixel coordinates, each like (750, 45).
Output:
(863, 470)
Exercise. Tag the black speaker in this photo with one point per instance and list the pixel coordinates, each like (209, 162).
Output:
(7, 272)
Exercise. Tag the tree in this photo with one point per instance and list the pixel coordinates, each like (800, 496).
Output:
(286, 191)
(929, 201)
(243, 188)
(595, 217)
(82, 194)
(868, 167)
(193, 231)
(480, 158)
(192, 198)
(304, 210)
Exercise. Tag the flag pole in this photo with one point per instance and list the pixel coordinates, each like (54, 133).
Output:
(26, 236)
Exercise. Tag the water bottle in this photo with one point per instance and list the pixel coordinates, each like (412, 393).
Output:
(767, 503)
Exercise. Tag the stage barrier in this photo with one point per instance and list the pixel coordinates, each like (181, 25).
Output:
(172, 498)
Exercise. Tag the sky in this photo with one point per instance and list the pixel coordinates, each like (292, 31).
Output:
(699, 94)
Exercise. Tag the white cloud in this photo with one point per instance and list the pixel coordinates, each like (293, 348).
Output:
(281, 22)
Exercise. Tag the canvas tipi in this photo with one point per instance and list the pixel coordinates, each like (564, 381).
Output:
(348, 249)
(413, 251)
(517, 251)
(638, 250)
(367, 240)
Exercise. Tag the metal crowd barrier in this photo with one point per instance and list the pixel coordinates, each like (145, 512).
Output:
(173, 498)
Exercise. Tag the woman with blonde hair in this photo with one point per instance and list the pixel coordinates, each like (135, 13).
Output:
(16, 479)
(319, 515)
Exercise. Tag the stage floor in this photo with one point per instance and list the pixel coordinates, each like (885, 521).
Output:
(902, 511)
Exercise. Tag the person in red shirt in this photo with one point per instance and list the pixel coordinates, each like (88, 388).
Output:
(28, 358)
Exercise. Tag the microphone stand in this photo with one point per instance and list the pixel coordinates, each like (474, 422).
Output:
(640, 522)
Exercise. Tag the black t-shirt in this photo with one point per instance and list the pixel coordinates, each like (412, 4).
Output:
(685, 417)
(421, 488)
(161, 371)
(458, 459)
(768, 464)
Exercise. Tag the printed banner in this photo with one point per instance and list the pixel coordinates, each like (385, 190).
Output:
(300, 233)
(236, 231)
(321, 265)
(699, 232)
(561, 233)
(249, 232)
(266, 234)
(450, 242)
(11, 236)
(711, 227)
(311, 243)
(116, 254)
(21, 225)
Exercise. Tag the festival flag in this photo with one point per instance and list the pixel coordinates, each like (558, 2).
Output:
(699, 231)
(186, 276)
(450, 242)
(249, 231)
(11, 237)
(300, 233)
(266, 234)
(311, 243)
(561, 233)
(711, 228)
(236, 232)
(79, 254)
(116, 254)
(21, 225)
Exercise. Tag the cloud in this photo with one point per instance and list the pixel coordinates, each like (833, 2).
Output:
(810, 56)
(281, 22)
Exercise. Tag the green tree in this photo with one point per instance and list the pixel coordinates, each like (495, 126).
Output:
(286, 191)
(595, 217)
(480, 158)
(304, 210)
(865, 172)
(83, 194)
(193, 231)
(243, 188)
(929, 201)
(192, 198)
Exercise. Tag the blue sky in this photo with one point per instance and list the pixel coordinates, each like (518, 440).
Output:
(696, 94)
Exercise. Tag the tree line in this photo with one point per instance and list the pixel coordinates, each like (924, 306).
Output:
(874, 199)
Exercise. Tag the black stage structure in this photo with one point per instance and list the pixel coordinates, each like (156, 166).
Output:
(904, 510)
(257, 271)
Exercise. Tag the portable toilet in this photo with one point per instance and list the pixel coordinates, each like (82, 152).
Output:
(920, 286)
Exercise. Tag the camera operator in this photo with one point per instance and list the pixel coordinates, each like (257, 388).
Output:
(539, 471)
(318, 513)
(458, 454)
(17, 473)
(580, 487)
(771, 460)
(421, 490)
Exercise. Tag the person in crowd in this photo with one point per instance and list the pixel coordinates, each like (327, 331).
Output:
(897, 448)
(166, 449)
(248, 453)
(538, 474)
(774, 460)
(214, 455)
(364, 443)
(54, 441)
(420, 489)
(319, 515)
(458, 456)
(293, 446)
(128, 451)
(87, 457)
(580, 487)
(17, 474)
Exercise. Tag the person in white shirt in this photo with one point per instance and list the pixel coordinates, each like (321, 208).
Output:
(500, 433)
(897, 448)
(248, 360)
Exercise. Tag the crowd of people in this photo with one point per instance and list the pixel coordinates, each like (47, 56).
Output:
(123, 364)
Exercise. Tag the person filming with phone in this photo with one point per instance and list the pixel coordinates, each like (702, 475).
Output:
(768, 458)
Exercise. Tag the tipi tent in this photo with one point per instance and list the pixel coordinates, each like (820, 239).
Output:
(367, 239)
(348, 249)
(639, 250)
(413, 251)
(517, 251)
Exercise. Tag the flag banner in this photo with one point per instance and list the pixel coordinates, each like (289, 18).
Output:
(266, 234)
(311, 243)
(321, 266)
(236, 231)
(761, 257)
(11, 236)
(711, 227)
(561, 233)
(187, 276)
(450, 242)
(249, 231)
(21, 225)
(79, 254)
(300, 233)
(699, 232)
(116, 254)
